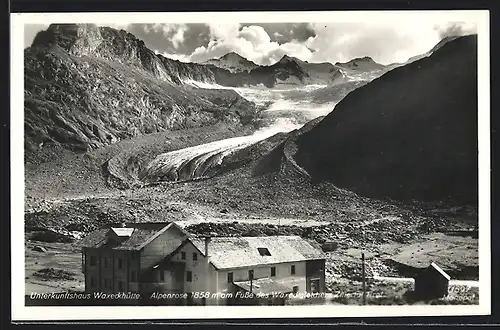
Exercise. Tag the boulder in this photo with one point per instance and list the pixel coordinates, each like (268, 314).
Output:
(39, 248)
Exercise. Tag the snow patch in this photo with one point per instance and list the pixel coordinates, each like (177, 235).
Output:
(205, 85)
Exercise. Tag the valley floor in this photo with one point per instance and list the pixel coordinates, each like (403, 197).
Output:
(58, 269)
(395, 238)
(67, 195)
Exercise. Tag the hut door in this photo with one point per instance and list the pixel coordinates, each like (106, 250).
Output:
(315, 285)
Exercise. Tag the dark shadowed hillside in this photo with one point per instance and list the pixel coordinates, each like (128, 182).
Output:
(410, 134)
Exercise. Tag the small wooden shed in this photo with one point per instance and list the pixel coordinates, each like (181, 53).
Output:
(432, 282)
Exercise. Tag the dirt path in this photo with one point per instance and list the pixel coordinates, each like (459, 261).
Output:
(372, 221)
(273, 221)
(69, 198)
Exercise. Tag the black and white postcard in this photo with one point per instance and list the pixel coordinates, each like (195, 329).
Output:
(250, 164)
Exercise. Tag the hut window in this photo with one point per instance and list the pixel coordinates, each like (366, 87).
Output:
(183, 255)
(195, 256)
(230, 277)
(273, 271)
(292, 269)
(189, 276)
(264, 252)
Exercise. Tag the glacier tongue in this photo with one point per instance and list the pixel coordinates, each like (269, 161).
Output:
(194, 162)
(286, 108)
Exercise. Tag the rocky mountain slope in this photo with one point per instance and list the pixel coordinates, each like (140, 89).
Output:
(362, 64)
(102, 93)
(232, 62)
(89, 86)
(86, 87)
(408, 135)
(217, 157)
(287, 71)
(325, 72)
(290, 70)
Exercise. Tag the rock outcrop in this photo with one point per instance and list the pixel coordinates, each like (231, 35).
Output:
(362, 64)
(232, 62)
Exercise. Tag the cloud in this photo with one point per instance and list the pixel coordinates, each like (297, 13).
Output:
(172, 33)
(382, 41)
(284, 32)
(453, 29)
(171, 38)
(255, 34)
(266, 43)
(250, 41)
(223, 32)
(178, 37)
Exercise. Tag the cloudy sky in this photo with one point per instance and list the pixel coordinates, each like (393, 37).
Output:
(265, 43)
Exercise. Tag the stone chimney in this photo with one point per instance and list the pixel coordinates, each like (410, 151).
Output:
(208, 238)
(208, 287)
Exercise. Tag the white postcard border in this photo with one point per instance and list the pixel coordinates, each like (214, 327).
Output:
(20, 312)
